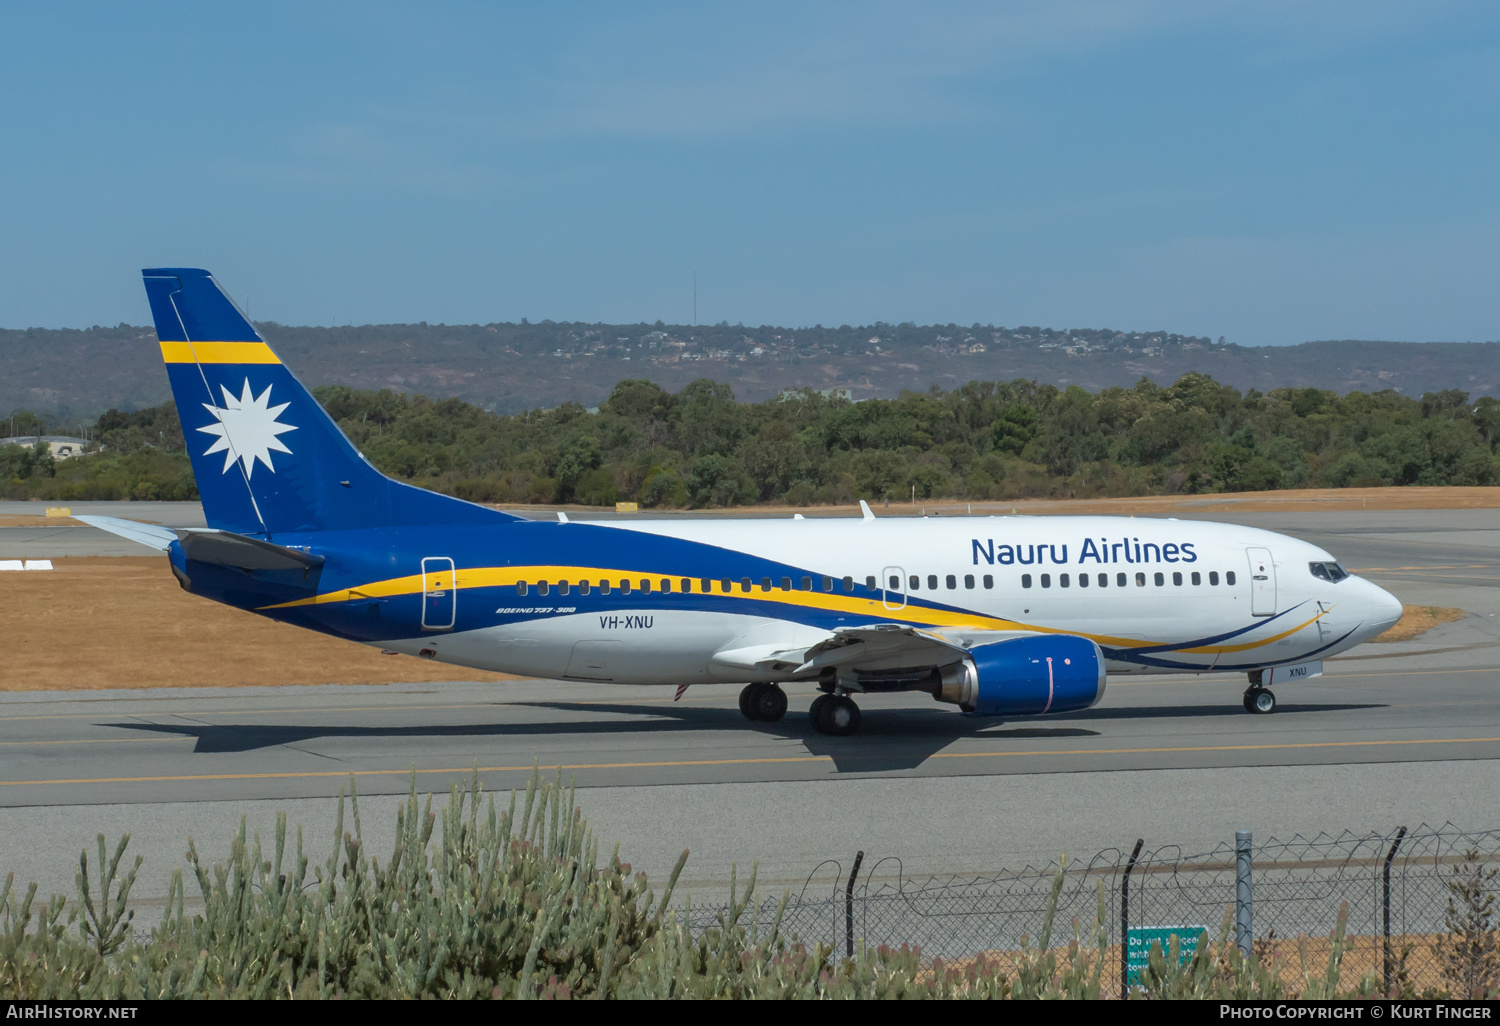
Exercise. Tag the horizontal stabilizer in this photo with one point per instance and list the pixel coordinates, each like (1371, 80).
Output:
(205, 545)
(151, 535)
(223, 548)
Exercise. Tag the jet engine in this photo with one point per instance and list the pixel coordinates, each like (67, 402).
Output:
(1044, 673)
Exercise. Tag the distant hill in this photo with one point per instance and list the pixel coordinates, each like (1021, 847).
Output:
(67, 374)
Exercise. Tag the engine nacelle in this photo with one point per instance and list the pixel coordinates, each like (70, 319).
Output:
(1045, 673)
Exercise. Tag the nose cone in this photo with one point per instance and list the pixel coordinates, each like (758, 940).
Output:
(1379, 607)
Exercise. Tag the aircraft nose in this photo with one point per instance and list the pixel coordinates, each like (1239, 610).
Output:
(1384, 609)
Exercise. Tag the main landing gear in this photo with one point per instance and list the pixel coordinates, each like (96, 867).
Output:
(764, 703)
(834, 714)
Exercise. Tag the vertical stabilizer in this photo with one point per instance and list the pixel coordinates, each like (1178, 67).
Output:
(266, 457)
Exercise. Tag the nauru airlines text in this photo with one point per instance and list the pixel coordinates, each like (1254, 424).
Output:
(1101, 550)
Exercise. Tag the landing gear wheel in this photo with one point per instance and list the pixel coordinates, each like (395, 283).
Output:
(1260, 700)
(764, 703)
(835, 715)
(816, 709)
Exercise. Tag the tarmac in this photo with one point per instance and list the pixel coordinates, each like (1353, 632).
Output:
(1392, 734)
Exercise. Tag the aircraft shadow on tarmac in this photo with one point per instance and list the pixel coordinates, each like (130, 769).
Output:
(897, 739)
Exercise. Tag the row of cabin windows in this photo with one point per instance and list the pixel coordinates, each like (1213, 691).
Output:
(914, 582)
(746, 585)
(688, 585)
(1122, 579)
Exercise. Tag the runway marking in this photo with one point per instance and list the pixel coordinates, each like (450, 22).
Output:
(734, 762)
(87, 741)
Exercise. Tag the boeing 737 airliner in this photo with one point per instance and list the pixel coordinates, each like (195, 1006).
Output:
(1000, 616)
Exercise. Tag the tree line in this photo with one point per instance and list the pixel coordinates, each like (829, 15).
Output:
(699, 447)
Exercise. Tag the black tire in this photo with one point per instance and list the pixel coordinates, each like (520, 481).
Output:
(1260, 701)
(815, 711)
(747, 700)
(837, 717)
(769, 703)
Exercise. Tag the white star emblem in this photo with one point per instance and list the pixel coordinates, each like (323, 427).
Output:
(247, 429)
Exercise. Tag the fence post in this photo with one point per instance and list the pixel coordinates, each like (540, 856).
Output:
(1244, 935)
(1385, 906)
(849, 904)
(1125, 920)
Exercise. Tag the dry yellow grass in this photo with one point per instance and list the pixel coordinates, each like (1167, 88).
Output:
(122, 622)
(1418, 620)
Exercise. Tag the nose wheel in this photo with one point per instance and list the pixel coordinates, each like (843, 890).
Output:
(1260, 700)
(835, 715)
(763, 703)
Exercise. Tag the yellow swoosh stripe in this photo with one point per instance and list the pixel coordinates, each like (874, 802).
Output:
(502, 577)
(218, 352)
(1221, 649)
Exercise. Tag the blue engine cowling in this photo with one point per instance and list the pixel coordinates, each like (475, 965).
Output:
(1028, 676)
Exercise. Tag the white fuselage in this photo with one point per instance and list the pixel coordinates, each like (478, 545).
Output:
(1158, 596)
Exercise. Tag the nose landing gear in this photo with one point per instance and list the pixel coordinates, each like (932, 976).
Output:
(764, 703)
(1260, 700)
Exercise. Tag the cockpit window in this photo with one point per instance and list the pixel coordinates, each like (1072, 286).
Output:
(1330, 572)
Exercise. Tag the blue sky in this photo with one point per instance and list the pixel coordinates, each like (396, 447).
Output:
(1269, 172)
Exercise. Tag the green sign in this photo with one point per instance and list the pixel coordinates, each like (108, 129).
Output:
(1139, 939)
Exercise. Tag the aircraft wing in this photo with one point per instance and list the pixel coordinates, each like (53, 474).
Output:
(893, 645)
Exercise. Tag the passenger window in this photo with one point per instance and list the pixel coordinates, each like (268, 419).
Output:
(646, 587)
(969, 581)
(1062, 580)
(604, 587)
(1025, 580)
(1161, 578)
(1120, 580)
(687, 585)
(666, 586)
(1140, 579)
(562, 587)
(520, 587)
(541, 587)
(1213, 577)
(828, 584)
(1177, 578)
(705, 585)
(745, 585)
(765, 584)
(1083, 580)
(848, 584)
(1046, 580)
(583, 587)
(726, 586)
(807, 584)
(1104, 580)
(1197, 578)
(869, 584)
(1228, 576)
(989, 581)
(786, 584)
(625, 587)
(915, 582)
(932, 582)
(895, 584)
(952, 582)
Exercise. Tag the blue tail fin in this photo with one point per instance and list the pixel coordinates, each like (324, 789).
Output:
(266, 457)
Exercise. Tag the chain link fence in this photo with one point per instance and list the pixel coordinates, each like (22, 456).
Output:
(1413, 899)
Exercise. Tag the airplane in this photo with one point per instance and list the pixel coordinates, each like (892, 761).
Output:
(1000, 616)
